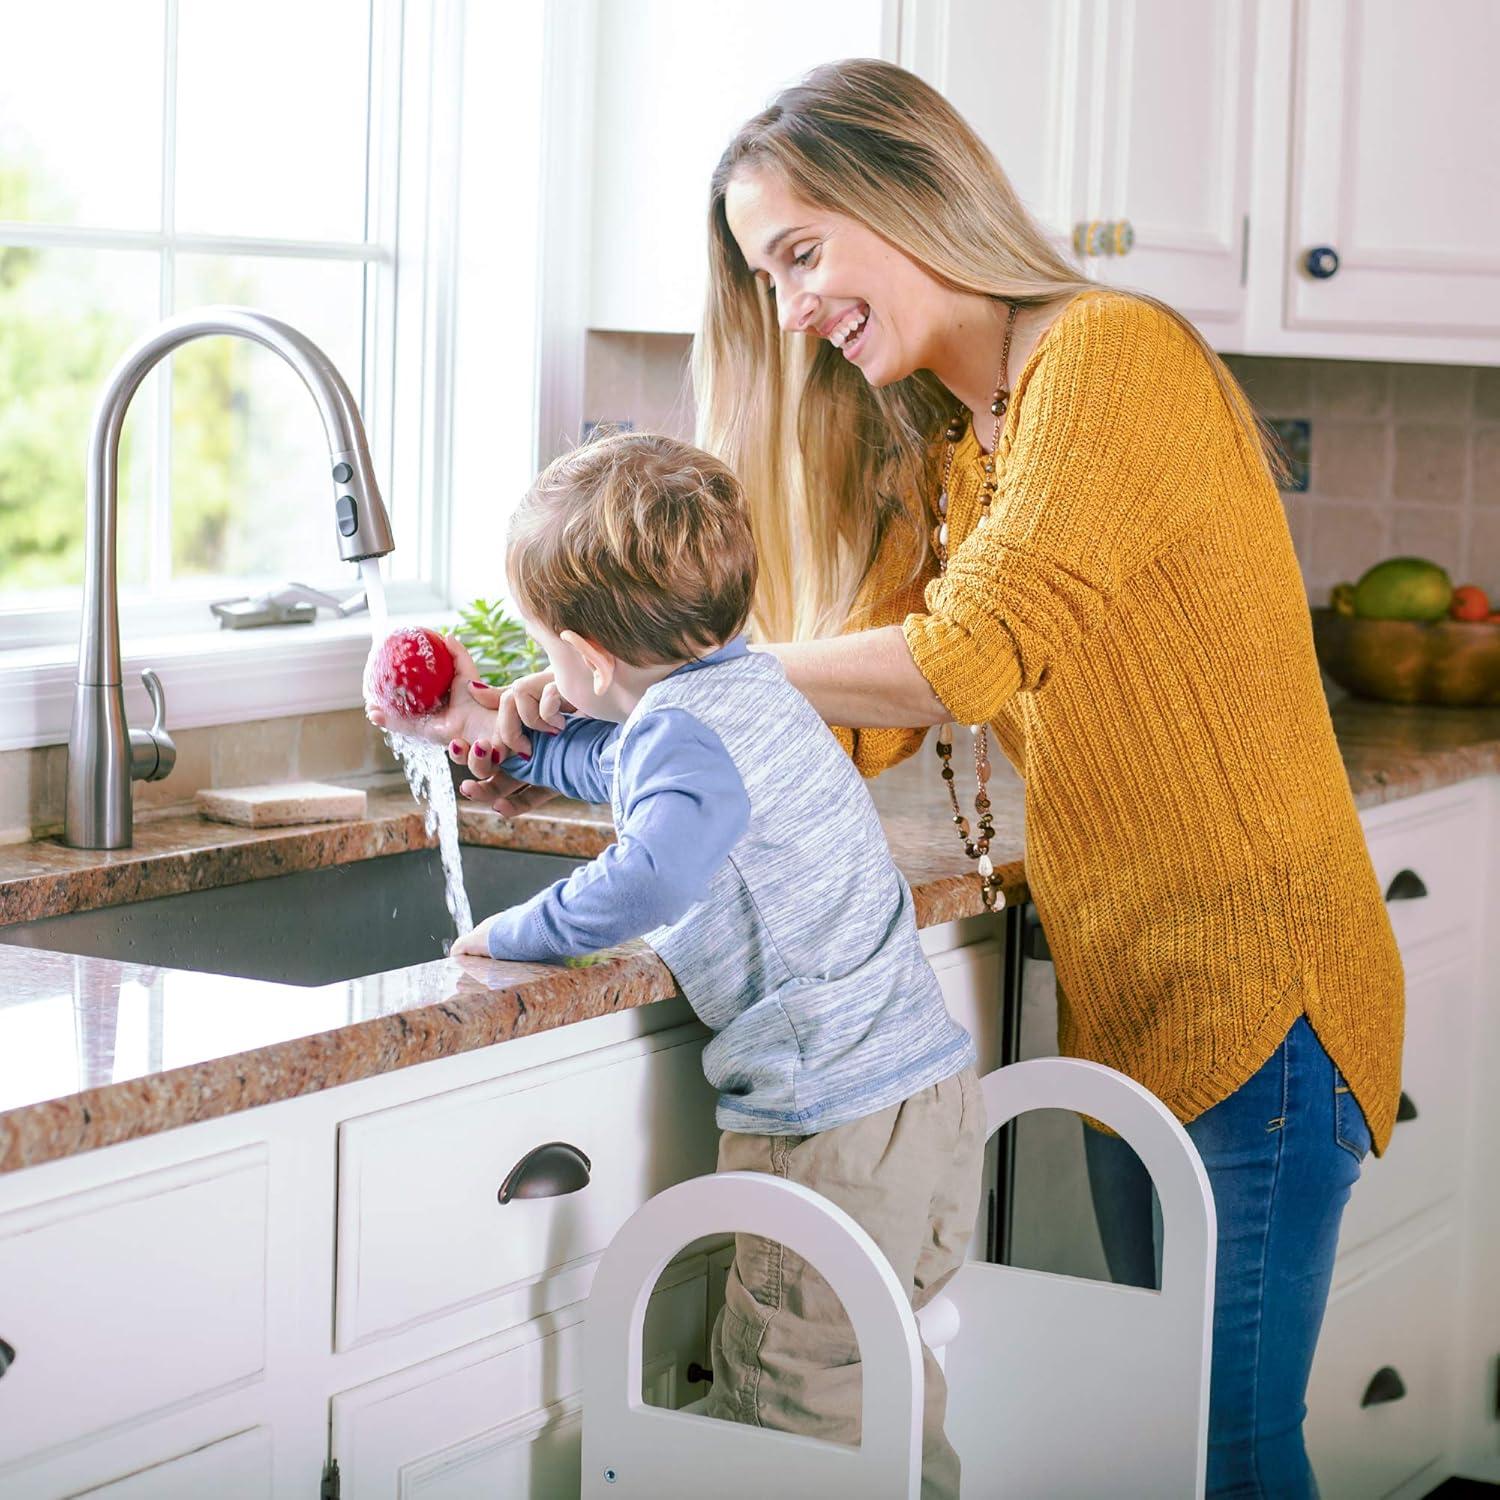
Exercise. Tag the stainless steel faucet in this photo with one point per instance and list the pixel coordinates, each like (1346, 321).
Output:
(104, 754)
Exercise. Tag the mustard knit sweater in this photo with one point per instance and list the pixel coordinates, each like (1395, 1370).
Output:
(1131, 621)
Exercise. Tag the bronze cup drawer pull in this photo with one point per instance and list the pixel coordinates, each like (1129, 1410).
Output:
(7, 1356)
(1406, 885)
(547, 1171)
(1385, 1385)
(1405, 1109)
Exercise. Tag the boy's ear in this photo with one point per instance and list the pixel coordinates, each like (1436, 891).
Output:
(599, 661)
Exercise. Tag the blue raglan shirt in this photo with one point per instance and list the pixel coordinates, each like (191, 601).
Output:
(685, 808)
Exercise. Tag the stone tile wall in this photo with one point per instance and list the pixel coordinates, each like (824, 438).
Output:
(1405, 460)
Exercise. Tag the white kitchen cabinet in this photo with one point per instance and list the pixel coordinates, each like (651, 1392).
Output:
(675, 79)
(1382, 1382)
(1379, 127)
(129, 1300)
(1019, 74)
(1114, 112)
(1395, 130)
(235, 1468)
(503, 1417)
(421, 1230)
(1175, 138)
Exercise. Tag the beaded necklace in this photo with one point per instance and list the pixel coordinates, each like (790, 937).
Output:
(978, 848)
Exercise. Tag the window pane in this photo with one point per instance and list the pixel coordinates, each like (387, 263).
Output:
(272, 102)
(80, 113)
(66, 316)
(251, 493)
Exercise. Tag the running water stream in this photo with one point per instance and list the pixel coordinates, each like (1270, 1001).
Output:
(426, 768)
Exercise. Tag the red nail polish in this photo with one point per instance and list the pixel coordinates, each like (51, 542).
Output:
(455, 748)
(495, 755)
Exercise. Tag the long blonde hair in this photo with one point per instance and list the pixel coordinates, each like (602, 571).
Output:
(830, 464)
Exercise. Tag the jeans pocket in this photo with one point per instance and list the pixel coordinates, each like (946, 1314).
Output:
(1349, 1126)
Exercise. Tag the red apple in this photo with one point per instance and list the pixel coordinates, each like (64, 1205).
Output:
(411, 673)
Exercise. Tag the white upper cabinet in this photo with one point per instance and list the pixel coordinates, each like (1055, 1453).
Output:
(1395, 157)
(1124, 126)
(1018, 73)
(1174, 137)
(675, 80)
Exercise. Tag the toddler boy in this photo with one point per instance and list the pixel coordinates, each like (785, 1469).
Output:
(750, 858)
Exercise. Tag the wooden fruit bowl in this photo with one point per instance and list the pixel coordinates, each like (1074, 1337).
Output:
(1452, 662)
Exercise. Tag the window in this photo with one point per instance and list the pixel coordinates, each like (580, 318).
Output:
(155, 156)
(375, 172)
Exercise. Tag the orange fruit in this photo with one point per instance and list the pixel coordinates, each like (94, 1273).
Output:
(1469, 603)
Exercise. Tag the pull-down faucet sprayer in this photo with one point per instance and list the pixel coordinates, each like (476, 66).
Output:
(104, 754)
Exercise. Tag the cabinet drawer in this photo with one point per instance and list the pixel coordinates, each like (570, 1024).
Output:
(1434, 849)
(1423, 1161)
(1385, 1334)
(421, 1231)
(132, 1298)
(503, 1417)
(236, 1468)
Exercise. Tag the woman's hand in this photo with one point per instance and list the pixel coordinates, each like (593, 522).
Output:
(530, 702)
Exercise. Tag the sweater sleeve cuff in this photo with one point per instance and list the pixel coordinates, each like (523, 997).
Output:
(971, 679)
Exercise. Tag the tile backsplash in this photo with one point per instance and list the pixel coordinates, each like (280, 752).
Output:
(1403, 458)
(307, 748)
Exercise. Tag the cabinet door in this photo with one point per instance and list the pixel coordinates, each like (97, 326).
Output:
(503, 1416)
(1381, 1387)
(1395, 167)
(1019, 74)
(1174, 139)
(676, 79)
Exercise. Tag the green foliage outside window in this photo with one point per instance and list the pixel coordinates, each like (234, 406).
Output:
(54, 359)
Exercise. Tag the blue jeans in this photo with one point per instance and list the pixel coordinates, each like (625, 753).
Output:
(1282, 1153)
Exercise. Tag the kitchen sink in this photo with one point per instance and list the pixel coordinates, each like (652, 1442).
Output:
(312, 927)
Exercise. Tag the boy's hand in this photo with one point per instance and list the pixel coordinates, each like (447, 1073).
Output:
(534, 703)
(475, 942)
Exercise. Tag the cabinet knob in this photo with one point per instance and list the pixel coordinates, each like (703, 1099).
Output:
(698, 1375)
(547, 1171)
(1406, 885)
(1385, 1385)
(1405, 1109)
(1321, 262)
(7, 1356)
(1122, 237)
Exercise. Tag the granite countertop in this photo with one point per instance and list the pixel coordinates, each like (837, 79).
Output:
(94, 1051)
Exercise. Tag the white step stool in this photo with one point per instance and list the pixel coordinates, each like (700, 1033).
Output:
(1057, 1387)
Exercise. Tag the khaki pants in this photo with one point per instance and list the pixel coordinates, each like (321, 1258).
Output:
(784, 1355)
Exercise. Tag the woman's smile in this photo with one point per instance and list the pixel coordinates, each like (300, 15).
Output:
(845, 331)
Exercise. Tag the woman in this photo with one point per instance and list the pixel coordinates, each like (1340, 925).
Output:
(986, 491)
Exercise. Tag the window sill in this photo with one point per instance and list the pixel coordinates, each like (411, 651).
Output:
(210, 677)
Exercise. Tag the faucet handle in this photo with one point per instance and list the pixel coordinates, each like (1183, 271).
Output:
(152, 752)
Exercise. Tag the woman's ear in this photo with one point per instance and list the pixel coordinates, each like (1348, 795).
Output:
(599, 661)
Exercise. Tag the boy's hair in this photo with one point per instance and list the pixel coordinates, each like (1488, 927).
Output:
(639, 543)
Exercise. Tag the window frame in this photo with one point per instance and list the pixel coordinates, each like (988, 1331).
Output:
(415, 104)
